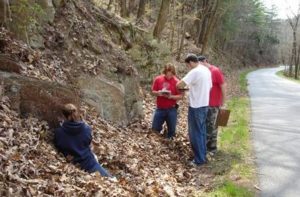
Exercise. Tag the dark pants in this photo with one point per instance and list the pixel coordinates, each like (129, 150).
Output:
(212, 129)
(165, 115)
(197, 133)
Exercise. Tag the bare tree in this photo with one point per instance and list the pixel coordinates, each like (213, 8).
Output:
(172, 24)
(110, 4)
(5, 13)
(294, 22)
(141, 10)
(209, 15)
(124, 10)
(183, 25)
(131, 6)
(162, 18)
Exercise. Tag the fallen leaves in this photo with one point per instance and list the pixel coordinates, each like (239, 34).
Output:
(145, 163)
(31, 166)
(34, 63)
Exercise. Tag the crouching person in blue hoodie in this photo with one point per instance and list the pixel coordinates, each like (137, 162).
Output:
(73, 139)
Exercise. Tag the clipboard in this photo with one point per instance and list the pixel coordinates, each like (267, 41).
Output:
(223, 117)
(166, 92)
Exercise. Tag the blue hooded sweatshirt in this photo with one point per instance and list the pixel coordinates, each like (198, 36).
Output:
(74, 138)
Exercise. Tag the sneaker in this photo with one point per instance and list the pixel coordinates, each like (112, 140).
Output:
(194, 164)
(170, 139)
(113, 179)
(212, 153)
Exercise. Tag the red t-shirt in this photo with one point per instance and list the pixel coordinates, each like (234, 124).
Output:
(215, 99)
(161, 82)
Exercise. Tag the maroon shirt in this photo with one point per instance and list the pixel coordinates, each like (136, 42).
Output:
(161, 82)
(216, 97)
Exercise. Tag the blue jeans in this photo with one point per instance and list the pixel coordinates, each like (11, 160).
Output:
(197, 132)
(165, 115)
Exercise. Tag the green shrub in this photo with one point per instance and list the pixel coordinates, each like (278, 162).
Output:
(150, 56)
(26, 15)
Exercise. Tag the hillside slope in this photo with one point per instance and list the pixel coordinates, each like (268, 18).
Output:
(80, 46)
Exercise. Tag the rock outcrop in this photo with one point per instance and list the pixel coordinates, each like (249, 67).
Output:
(32, 97)
(9, 65)
(116, 102)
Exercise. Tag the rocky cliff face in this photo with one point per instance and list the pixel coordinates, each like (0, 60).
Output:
(81, 46)
(32, 97)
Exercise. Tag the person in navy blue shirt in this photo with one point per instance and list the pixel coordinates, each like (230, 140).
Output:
(73, 139)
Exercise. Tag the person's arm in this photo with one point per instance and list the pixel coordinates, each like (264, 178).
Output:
(176, 97)
(155, 90)
(180, 85)
(178, 94)
(186, 81)
(156, 93)
(221, 82)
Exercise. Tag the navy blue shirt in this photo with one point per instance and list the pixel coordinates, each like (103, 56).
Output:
(74, 138)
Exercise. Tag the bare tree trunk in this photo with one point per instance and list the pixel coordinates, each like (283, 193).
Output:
(181, 34)
(294, 48)
(162, 18)
(209, 17)
(179, 28)
(141, 10)
(132, 6)
(199, 16)
(110, 4)
(213, 20)
(295, 60)
(183, 28)
(297, 64)
(202, 31)
(172, 32)
(5, 13)
(123, 10)
(291, 65)
(181, 43)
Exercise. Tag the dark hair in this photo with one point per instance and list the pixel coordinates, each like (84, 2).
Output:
(191, 58)
(169, 68)
(201, 58)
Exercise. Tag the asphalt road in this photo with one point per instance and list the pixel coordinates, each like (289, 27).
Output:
(275, 104)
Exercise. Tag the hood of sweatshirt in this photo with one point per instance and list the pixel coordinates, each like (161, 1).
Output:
(73, 128)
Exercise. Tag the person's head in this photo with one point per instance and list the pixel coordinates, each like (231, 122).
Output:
(203, 60)
(169, 70)
(191, 61)
(70, 112)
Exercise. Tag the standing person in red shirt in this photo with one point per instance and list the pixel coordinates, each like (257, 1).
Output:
(216, 100)
(167, 95)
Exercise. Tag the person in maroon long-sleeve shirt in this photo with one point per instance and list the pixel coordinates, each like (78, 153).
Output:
(216, 100)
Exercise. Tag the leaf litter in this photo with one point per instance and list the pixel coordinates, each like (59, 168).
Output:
(144, 162)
